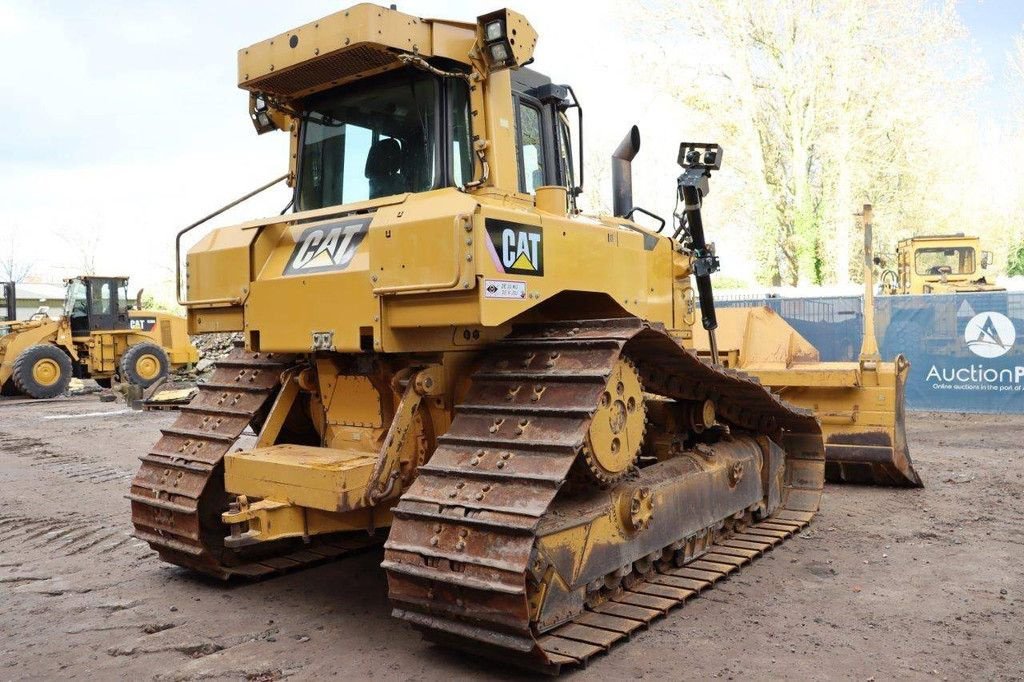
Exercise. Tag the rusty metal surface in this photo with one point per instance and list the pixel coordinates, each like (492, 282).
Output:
(459, 554)
(178, 494)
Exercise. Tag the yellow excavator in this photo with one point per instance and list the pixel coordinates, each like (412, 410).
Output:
(100, 336)
(442, 353)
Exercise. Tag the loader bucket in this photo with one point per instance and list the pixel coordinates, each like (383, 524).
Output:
(870, 455)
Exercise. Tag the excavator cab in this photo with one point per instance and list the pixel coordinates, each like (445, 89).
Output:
(96, 304)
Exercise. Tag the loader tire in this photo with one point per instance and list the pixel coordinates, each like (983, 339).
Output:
(144, 364)
(42, 371)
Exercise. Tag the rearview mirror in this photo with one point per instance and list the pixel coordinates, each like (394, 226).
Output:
(986, 259)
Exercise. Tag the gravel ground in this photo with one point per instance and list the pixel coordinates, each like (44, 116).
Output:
(886, 584)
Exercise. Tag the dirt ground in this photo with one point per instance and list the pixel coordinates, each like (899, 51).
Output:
(886, 584)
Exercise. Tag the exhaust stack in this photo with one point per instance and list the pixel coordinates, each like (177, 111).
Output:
(622, 172)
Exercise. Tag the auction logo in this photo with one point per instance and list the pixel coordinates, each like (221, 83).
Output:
(990, 335)
(327, 247)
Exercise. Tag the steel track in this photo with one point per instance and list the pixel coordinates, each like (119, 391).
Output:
(178, 494)
(460, 556)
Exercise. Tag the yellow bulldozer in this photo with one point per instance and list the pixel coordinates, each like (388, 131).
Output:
(442, 353)
(99, 336)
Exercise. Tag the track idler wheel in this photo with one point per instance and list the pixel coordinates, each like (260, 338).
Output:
(617, 429)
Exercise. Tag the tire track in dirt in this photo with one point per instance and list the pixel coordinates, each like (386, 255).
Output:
(75, 467)
(24, 538)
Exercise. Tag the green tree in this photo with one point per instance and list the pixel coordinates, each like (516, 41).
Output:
(824, 105)
(1015, 263)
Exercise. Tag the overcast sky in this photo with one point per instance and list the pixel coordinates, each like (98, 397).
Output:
(123, 121)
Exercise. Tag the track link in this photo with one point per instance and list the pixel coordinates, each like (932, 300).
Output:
(460, 556)
(178, 494)
(596, 630)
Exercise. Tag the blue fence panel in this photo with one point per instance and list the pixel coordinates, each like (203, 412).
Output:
(964, 351)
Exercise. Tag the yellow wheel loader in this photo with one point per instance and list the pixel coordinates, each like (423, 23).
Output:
(443, 354)
(99, 336)
(937, 264)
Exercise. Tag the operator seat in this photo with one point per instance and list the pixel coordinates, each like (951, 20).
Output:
(383, 164)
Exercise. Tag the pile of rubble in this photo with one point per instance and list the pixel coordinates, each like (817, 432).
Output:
(79, 387)
(212, 348)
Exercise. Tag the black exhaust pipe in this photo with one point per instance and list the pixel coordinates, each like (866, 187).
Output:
(622, 172)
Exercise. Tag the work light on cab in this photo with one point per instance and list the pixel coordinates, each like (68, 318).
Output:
(506, 39)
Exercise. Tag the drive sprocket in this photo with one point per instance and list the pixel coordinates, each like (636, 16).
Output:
(617, 431)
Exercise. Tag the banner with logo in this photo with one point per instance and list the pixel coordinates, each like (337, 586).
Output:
(963, 349)
(966, 351)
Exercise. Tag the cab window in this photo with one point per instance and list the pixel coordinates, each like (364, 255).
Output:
(102, 296)
(124, 304)
(945, 261)
(369, 140)
(458, 114)
(564, 154)
(531, 154)
(74, 303)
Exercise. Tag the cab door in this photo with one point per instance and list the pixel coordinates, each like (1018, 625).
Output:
(8, 304)
(106, 311)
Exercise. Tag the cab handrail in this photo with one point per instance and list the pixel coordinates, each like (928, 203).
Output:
(183, 232)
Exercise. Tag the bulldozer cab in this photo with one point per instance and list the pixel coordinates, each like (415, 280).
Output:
(8, 302)
(96, 304)
(380, 138)
(409, 131)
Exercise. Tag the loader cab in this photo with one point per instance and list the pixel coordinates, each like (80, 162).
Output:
(936, 263)
(543, 138)
(96, 304)
(8, 302)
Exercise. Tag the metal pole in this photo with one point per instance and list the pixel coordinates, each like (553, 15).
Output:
(869, 347)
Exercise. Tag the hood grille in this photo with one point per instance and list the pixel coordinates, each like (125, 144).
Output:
(325, 72)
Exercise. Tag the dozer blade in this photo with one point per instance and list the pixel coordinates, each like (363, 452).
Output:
(860, 406)
(868, 455)
(862, 417)
(873, 448)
